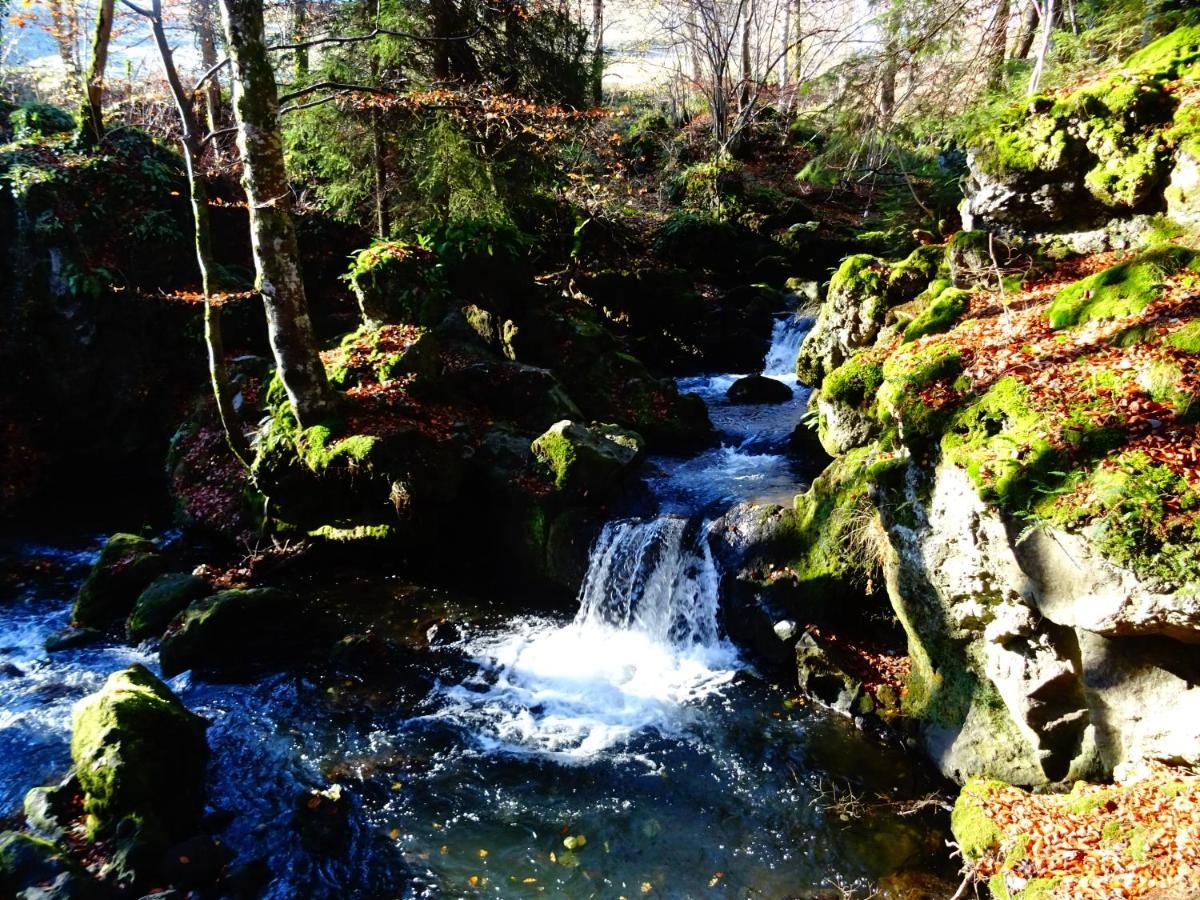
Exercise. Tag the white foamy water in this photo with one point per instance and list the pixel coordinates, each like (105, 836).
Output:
(786, 337)
(643, 646)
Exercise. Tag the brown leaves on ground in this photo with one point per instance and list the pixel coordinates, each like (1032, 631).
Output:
(1139, 839)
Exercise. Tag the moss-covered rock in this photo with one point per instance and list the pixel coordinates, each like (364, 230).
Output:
(1122, 290)
(940, 315)
(163, 599)
(398, 282)
(1170, 55)
(849, 320)
(231, 630)
(33, 868)
(975, 832)
(32, 119)
(126, 565)
(139, 753)
(583, 459)
(905, 375)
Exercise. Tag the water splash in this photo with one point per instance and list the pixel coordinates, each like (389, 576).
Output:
(644, 644)
(787, 335)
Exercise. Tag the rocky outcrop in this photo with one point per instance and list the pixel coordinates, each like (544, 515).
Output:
(230, 631)
(582, 459)
(759, 389)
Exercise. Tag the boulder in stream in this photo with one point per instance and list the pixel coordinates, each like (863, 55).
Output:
(759, 389)
(125, 566)
(162, 600)
(229, 630)
(583, 458)
(140, 756)
(33, 867)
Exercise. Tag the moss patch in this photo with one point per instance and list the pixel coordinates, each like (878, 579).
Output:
(1122, 290)
(974, 830)
(940, 316)
(855, 381)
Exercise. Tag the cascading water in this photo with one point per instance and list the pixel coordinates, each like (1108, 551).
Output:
(644, 643)
(787, 335)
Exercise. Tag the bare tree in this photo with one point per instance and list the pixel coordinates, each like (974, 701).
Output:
(597, 52)
(269, 201)
(206, 42)
(1043, 46)
(192, 143)
(64, 28)
(996, 43)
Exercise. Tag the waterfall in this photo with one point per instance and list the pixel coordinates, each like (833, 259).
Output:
(786, 337)
(642, 647)
(655, 576)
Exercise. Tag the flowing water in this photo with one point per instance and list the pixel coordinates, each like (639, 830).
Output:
(627, 750)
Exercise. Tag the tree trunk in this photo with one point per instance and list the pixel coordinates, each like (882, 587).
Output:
(891, 65)
(269, 201)
(206, 43)
(91, 110)
(797, 42)
(193, 149)
(597, 52)
(513, 14)
(64, 28)
(299, 26)
(383, 223)
(747, 59)
(997, 44)
(1043, 46)
(1029, 25)
(453, 57)
(693, 40)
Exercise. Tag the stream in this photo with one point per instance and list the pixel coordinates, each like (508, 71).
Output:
(625, 750)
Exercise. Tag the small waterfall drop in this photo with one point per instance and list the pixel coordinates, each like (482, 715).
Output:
(786, 337)
(644, 644)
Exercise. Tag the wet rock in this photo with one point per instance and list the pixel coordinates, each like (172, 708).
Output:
(50, 810)
(126, 565)
(71, 637)
(163, 599)
(823, 679)
(229, 631)
(842, 427)
(583, 459)
(33, 868)
(322, 819)
(194, 864)
(8, 670)
(759, 389)
(443, 633)
(139, 754)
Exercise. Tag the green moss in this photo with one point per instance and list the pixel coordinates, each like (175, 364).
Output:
(138, 751)
(974, 830)
(940, 315)
(1169, 55)
(160, 602)
(559, 454)
(1002, 443)
(1164, 381)
(32, 119)
(906, 373)
(1023, 140)
(1122, 290)
(355, 534)
(1186, 338)
(855, 381)
(1139, 514)
(914, 272)
(320, 449)
(125, 566)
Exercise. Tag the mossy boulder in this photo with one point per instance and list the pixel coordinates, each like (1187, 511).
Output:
(139, 753)
(163, 599)
(32, 119)
(33, 868)
(229, 631)
(397, 282)
(1122, 290)
(126, 565)
(940, 315)
(849, 320)
(975, 832)
(584, 459)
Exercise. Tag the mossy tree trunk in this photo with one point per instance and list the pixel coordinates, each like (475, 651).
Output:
(269, 201)
(299, 25)
(193, 149)
(91, 110)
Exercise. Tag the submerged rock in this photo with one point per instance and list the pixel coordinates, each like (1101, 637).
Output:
(230, 630)
(33, 868)
(140, 757)
(71, 638)
(759, 389)
(125, 566)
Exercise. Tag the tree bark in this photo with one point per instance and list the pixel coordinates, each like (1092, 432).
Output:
(269, 199)
(299, 25)
(891, 65)
(597, 52)
(1043, 46)
(997, 44)
(206, 43)
(91, 110)
(193, 148)
(64, 28)
(1029, 25)
(747, 59)
(453, 57)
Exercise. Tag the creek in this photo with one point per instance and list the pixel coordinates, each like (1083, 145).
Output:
(626, 748)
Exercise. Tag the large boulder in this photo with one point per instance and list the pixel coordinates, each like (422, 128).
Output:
(229, 631)
(583, 459)
(163, 599)
(140, 757)
(759, 389)
(849, 320)
(126, 565)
